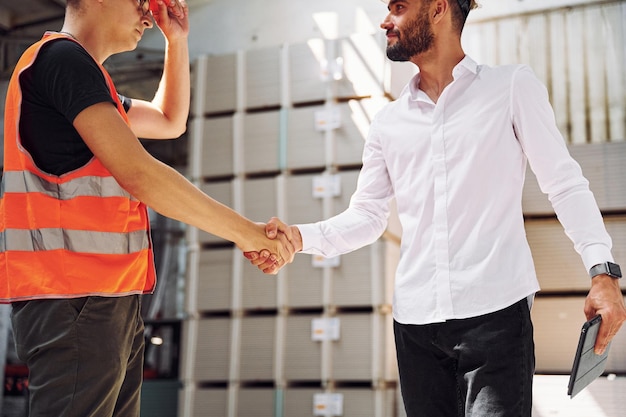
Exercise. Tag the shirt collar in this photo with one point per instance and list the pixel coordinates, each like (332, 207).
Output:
(466, 65)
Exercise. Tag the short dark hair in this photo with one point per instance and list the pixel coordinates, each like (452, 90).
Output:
(465, 6)
(460, 11)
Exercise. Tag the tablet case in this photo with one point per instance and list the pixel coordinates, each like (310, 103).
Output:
(587, 365)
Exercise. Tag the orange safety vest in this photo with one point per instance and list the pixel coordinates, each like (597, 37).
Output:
(73, 235)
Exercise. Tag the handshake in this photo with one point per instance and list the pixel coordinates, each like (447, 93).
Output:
(284, 242)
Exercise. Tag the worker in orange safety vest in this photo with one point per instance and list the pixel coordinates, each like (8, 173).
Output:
(75, 249)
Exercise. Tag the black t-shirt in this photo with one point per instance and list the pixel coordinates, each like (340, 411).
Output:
(63, 81)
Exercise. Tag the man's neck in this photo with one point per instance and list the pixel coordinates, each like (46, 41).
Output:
(436, 68)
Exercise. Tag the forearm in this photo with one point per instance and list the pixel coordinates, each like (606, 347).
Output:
(173, 94)
(342, 233)
(583, 224)
(169, 193)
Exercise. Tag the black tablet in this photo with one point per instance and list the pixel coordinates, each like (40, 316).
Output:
(587, 365)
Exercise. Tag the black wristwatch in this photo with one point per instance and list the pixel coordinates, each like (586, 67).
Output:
(606, 268)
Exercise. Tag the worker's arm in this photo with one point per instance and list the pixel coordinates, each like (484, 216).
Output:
(164, 189)
(165, 117)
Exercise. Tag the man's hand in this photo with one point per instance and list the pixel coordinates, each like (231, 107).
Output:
(605, 298)
(277, 250)
(273, 230)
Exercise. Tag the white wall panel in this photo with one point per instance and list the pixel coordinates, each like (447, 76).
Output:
(215, 274)
(212, 351)
(304, 283)
(352, 354)
(217, 147)
(613, 18)
(508, 41)
(263, 78)
(359, 278)
(221, 84)
(303, 356)
(305, 71)
(305, 145)
(534, 47)
(299, 401)
(260, 141)
(256, 402)
(207, 402)
(260, 198)
(258, 343)
(595, 68)
(364, 402)
(259, 291)
(302, 207)
(575, 58)
(558, 82)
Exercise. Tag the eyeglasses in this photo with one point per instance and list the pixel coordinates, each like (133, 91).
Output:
(144, 6)
(465, 6)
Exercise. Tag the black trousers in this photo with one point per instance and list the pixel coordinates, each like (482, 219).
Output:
(85, 355)
(476, 367)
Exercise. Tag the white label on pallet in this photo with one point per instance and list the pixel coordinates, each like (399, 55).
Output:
(328, 119)
(331, 70)
(328, 404)
(325, 328)
(326, 185)
(318, 261)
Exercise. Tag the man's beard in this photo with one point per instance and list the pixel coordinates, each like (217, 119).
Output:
(417, 38)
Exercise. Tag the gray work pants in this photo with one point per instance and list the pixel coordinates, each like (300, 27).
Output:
(84, 355)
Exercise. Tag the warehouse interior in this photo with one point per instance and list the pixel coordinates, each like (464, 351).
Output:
(298, 83)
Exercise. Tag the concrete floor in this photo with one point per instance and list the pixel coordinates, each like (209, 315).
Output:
(605, 397)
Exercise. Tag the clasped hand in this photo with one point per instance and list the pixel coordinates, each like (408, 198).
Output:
(290, 239)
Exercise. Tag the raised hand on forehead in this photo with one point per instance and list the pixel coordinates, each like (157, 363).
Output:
(171, 16)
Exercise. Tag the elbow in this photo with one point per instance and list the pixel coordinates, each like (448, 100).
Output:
(136, 183)
(172, 131)
(179, 129)
(133, 186)
(171, 125)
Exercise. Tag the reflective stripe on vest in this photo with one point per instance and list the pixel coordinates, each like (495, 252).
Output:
(27, 182)
(74, 241)
(73, 235)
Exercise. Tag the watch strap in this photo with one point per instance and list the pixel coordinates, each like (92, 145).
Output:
(607, 268)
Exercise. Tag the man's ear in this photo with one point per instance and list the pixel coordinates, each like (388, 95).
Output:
(439, 9)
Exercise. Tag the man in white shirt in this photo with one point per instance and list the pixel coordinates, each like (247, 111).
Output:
(452, 150)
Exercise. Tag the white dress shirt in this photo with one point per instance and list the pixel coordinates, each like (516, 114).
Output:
(456, 169)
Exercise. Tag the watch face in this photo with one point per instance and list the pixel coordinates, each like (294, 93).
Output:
(614, 269)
